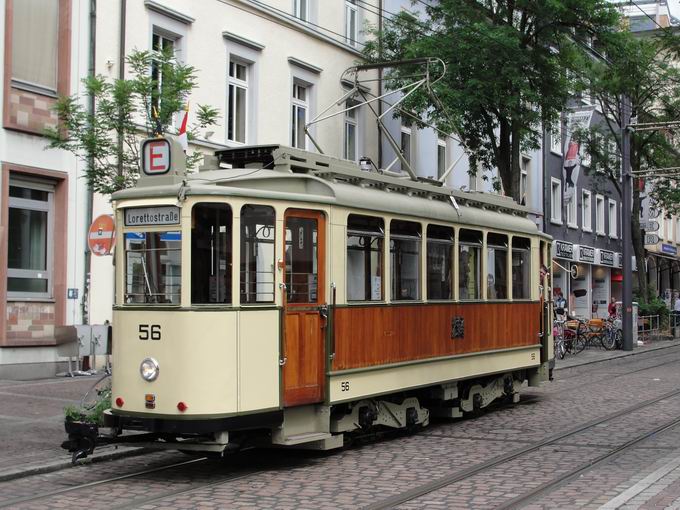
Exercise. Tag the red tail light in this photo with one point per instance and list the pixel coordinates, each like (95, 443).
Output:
(181, 406)
(120, 402)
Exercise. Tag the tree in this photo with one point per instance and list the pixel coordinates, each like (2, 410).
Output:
(125, 111)
(645, 70)
(511, 67)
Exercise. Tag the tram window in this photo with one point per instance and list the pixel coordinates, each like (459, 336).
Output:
(405, 239)
(439, 262)
(257, 254)
(497, 266)
(153, 267)
(521, 268)
(211, 254)
(365, 238)
(469, 264)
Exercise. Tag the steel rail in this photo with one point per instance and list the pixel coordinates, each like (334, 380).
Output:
(575, 473)
(457, 476)
(16, 501)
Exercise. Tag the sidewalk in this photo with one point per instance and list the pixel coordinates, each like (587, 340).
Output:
(597, 354)
(32, 425)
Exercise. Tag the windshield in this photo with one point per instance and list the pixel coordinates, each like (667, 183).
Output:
(152, 267)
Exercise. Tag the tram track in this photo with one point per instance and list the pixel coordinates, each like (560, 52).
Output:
(96, 483)
(457, 476)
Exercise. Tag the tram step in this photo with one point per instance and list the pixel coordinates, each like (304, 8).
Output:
(303, 438)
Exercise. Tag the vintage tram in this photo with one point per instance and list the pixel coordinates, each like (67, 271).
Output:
(283, 297)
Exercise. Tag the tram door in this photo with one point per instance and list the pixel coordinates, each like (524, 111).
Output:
(304, 308)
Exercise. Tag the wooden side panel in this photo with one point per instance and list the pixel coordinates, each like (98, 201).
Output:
(377, 335)
(303, 375)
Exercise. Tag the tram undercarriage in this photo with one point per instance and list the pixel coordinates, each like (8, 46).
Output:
(312, 427)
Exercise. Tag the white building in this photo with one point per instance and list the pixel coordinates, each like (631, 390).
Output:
(268, 66)
(43, 204)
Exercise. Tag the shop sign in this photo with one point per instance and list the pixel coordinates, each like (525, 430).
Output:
(670, 250)
(564, 250)
(606, 258)
(586, 254)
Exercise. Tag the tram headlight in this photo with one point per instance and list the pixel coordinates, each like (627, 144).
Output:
(149, 369)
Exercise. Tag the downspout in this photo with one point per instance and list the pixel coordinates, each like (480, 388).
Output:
(121, 74)
(87, 267)
(380, 81)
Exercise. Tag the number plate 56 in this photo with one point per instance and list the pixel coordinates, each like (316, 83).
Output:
(149, 331)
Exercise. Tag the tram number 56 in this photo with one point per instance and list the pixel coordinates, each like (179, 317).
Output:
(149, 331)
(344, 386)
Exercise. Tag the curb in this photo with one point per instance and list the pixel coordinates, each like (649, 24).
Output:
(624, 354)
(59, 465)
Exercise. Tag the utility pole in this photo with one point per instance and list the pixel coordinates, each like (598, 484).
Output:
(627, 308)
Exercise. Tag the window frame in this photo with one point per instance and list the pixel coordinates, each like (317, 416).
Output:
(406, 149)
(586, 212)
(297, 105)
(241, 283)
(379, 233)
(236, 83)
(507, 250)
(524, 166)
(555, 206)
(351, 39)
(34, 205)
(351, 119)
(599, 216)
(441, 157)
(418, 238)
(478, 245)
(612, 211)
(527, 252)
(301, 10)
(572, 211)
(556, 148)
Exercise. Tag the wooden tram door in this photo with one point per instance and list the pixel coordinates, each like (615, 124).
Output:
(304, 308)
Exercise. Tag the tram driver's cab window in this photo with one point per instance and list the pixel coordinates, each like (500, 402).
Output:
(365, 237)
(405, 240)
(211, 254)
(257, 254)
(469, 264)
(497, 266)
(439, 262)
(521, 268)
(153, 267)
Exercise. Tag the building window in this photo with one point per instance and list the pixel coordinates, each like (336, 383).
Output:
(35, 32)
(301, 9)
(521, 268)
(351, 22)
(497, 266)
(439, 262)
(525, 164)
(211, 253)
(29, 241)
(599, 214)
(586, 211)
(257, 254)
(612, 219)
(441, 157)
(406, 143)
(350, 145)
(556, 137)
(572, 206)
(299, 116)
(555, 200)
(237, 107)
(677, 231)
(365, 238)
(661, 220)
(165, 45)
(469, 264)
(405, 239)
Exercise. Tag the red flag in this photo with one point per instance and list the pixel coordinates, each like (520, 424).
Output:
(183, 128)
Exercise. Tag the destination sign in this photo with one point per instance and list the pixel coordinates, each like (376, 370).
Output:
(166, 215)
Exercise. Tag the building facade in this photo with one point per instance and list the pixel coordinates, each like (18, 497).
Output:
(43, 203)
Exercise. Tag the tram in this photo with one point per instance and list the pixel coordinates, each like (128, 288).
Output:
(279, 297)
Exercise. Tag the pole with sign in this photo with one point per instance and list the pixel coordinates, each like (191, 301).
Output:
(102, 235)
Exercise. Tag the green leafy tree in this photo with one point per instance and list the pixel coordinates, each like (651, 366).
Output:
(511, 67)
(125, 112)
(645, 69)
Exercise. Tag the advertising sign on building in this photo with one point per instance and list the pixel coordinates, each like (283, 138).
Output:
(571, 167)
(564, 250)
(607, 258)
(669, 249)
(586, 254)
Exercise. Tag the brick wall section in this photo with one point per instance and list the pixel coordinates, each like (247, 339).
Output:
(31, 112)
(30, 323)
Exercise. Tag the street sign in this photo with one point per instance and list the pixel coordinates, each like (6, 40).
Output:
(101, 235)
(651, 239)
(156, 158)
(574, 272)
(649, 226)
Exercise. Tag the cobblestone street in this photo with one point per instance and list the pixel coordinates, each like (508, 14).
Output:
(604, 433)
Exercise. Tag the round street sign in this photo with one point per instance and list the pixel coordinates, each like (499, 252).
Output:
(102, 236)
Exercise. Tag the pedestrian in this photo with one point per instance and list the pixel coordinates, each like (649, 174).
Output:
(676, 311)
(611, 309)
(560, 302)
